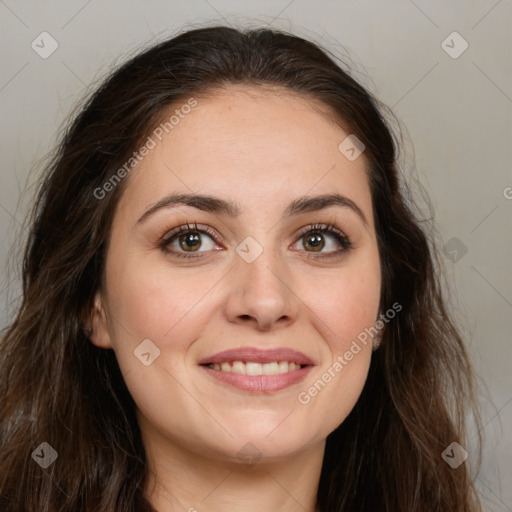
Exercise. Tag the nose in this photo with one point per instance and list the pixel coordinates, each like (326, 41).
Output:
(261, 294)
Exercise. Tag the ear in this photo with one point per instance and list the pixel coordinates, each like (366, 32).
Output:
(99, 330)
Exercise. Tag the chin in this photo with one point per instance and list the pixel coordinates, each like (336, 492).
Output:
(259, 444)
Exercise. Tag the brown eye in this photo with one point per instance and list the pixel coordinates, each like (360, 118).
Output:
(186, 240)
(315, 241)
(319, 237)
(190, 240)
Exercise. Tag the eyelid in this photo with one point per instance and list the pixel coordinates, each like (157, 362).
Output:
(185, 228)
(322, 227)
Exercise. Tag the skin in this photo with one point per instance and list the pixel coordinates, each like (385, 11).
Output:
(261, 149)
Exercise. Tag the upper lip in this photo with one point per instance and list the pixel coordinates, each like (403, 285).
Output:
(257, 355)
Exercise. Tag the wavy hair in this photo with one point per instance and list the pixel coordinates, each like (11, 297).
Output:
(56, 387)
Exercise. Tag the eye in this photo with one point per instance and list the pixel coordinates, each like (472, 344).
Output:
(314, 240)
(183, 241)
(187, 239)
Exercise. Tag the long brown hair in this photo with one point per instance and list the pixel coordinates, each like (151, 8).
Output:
(58, 388)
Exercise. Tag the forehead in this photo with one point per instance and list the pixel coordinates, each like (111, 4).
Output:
(256, 146)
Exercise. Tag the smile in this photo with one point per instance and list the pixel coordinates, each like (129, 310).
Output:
(252, 368)
(251, 376)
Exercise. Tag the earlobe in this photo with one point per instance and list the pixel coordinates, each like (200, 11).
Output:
(377, 341)
(98, 331)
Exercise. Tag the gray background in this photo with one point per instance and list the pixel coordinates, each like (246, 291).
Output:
(457, 113)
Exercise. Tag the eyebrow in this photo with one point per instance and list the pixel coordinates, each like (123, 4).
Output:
(303, 204)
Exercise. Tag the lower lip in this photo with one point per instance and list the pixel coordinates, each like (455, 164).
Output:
(260, 383)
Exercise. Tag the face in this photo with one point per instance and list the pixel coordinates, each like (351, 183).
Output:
(281, 275)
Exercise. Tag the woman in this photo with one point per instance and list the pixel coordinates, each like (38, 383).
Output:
(228, 303)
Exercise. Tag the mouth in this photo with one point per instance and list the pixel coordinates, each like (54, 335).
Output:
(256, 370)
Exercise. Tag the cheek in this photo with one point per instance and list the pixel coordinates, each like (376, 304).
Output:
(345, 304)
(169, 308)
(345, 309)
(155, 301)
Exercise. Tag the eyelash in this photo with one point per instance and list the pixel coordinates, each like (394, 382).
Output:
(328, 229)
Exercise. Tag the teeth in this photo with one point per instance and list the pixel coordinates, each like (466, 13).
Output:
(270, 368)
(250, 368)
(238, 367)
(254, 368)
